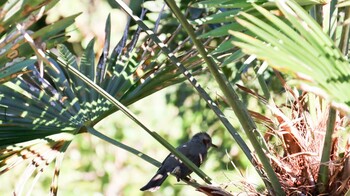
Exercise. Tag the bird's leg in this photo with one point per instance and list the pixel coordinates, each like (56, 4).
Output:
(177, 173)
(189, 179)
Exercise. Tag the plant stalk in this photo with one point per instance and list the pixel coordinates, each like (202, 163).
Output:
(262, 83)
(103, 137)
(344, 39)
(327, 145)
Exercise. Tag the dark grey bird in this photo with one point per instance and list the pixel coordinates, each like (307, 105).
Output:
(195, 150)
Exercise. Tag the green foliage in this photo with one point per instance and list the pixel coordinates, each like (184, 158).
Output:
(283, 41)
(304, 51)
(14, 46)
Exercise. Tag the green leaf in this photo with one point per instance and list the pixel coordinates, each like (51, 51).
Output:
(49, 32)
(222, 31)
(14, 47)
(9, 72)
(226, 3)
(223, 17)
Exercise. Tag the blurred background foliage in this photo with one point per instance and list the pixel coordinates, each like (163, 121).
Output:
(93, 167)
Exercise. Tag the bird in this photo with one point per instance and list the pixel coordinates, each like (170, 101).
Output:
(195, 149)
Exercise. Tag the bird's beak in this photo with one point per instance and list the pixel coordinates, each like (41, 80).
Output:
(213, 145)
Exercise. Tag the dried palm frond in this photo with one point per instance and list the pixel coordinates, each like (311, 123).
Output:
(300, 126)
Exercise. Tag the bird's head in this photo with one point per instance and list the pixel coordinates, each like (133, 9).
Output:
(205, 138)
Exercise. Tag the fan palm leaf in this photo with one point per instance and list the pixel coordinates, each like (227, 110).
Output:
(303, 51)
(285, 36)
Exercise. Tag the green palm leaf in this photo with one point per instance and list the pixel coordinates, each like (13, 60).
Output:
(287, 37)
(299, 47)
(224, 15)
(14, 48)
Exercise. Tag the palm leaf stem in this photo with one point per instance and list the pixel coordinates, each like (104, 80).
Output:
(259, 72)
(145, 157)
(323, 176)
(344, 43)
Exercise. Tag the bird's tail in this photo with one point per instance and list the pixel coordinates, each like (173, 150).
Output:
(155, 182)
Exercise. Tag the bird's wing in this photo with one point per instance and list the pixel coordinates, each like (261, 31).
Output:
(193, 152)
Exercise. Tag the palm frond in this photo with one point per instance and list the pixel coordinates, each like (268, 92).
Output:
(298, 46)
(13, 46)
